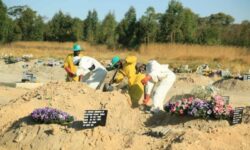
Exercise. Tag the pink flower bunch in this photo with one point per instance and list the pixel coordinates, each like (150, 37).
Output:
(220, 109)
(179, 107)
(218, 105)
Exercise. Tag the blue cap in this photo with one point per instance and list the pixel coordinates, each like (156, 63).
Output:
(115, 60)
(76, 47)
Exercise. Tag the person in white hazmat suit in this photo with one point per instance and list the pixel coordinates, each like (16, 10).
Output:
(90, 71)
(158, 81)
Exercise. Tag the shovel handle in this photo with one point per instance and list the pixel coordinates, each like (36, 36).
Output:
(145, 88)
(113, 78)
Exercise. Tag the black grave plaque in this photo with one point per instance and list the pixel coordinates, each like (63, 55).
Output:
(237, 115)
(94, 118)
(246, 77)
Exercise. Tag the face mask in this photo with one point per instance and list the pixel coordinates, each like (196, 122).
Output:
(76, 60)
(117, 65)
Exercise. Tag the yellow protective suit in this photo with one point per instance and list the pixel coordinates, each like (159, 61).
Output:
(68, 62)
(136, 88)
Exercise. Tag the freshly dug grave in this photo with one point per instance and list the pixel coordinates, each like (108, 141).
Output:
(125, 128)
(233, 85)
(124, 125)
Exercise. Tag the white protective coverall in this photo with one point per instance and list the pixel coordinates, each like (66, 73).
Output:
(93, 77)
(161, 82)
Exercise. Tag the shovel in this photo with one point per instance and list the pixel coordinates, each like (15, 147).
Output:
(108, 86)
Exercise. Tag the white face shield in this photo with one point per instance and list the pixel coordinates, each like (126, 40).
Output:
(76, 60)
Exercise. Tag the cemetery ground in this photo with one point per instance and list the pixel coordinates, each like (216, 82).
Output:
(126, 127)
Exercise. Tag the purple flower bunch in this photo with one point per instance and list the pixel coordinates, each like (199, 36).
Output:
(51, 115)
(200, 108)
(216, 108)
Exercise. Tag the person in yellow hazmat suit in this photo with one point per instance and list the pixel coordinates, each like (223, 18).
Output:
(127, 68)
(69, 66)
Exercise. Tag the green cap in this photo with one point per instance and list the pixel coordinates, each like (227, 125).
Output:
(76, 47)
(115, 60)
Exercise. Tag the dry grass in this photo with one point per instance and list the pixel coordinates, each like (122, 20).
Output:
(235, 58)
(57, 50)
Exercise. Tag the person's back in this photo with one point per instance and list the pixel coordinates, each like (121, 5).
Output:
(87, 62)
(92, 71)
(157, 71)
(128, 70)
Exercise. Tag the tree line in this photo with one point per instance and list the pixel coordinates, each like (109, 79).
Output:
(176, 25)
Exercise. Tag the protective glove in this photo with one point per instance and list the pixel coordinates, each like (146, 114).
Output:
(92, 67)
(110, 68)
(146, 99)
(146, 79)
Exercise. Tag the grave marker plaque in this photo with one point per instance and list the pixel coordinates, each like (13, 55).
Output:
(94, 118)
(237, 115)
(246, 77)
(226, 99)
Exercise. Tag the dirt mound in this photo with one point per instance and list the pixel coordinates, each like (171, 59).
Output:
(232, 84)
(218, 138)
(246, 116)
(189, 133)
(125, 128)
(193, 79)
(6, 94)
(185, 82)
(124, 124)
